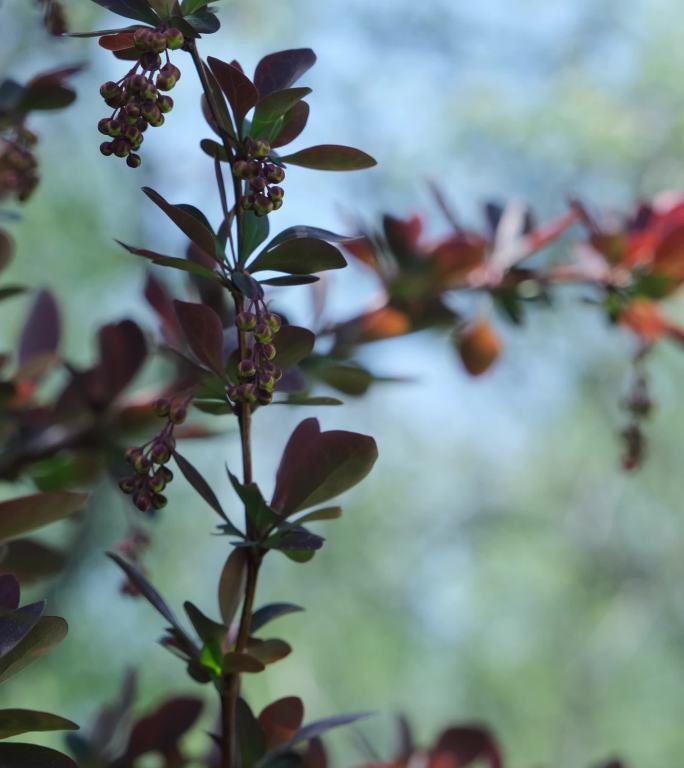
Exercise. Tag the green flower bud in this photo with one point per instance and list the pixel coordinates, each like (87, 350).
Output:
(261, 148)
(263, 333)
(174, 39)
(274, 322)
(246, 369)
(165, 104)
(269, 351)
(246, 321)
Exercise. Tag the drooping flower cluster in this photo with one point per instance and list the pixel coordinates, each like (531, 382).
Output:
(150, 473)
(18, 165)
(257, 371)
(137, 99)
(262, 176)
(638, 405)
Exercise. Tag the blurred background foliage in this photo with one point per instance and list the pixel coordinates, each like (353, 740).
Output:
(497, 565)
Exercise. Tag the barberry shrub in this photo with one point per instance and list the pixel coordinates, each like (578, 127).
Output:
(234, 356)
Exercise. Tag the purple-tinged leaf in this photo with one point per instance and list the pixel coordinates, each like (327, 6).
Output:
(281, 70)
(204, 21)
(111, 718)
(215, 150)
(26, 513)
(190, 225)
(267, 613)
(48, 632)
(330, 157)
(297, 400)
(269, 651)
(30, 561)
(13, 755)
(204, 332)
(145, 588)
(48, 91)
(241, 93)
(132, 9)
(235, 663)
(294, 123)
(16, 624)
(123, 350)
(299, 256)
(303, 232)
(14, 722)
(319, 727)
(41, 333)
(317, 466)
(163, 729)
(10, 593)
(201, 486)
(327, 513)
(281, 720)
(247, 285)
(289, 280)
(185, 265)
(221, 122)
(294, 538)
(293, 344)
(232, 584)
(208, 630)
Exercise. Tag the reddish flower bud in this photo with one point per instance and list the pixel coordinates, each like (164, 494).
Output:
(246, 321)
(160, 453)
(179, 413)
(106, 148)
(269, 351)
(142, 501)
(128, 484)
(263, 333)
(246, 369)
(261, 148)
(174, 38)
(165, 104)
(162, 407)
(150, 61)
(274, 321)
(275, 174)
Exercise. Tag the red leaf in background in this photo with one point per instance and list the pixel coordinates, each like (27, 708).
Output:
(479, 347)
(42, 330)
(121, 41)
(403, 236)
(123, 351)
(162, 730)
(457, 256)
(646, 320)
(159, 299)
(462, 746)
(281, 720)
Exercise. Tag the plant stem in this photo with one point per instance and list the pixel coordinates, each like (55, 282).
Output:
(231, 688)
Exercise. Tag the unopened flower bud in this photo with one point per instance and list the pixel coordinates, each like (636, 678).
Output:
(275, 174)
(261, 148)
(128, 484)
(240, 169)
(265, 397)
(162, 407)
(274, 321)
(174, 39)
(269, 351)
(263, 333)
(246, 369)
(157, 482)
(106, 148)
(178, 414)
(160, 453)
(246, 321)
(142, 501)
(165, 104)
(109, 90)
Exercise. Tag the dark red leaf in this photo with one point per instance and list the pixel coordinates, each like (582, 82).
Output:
(294, 123)
(281, 70)
(467, 745)
(120, 41)
(241, 93)
(131, 9)
(41, 333)
(281, 720)
(159, 299)
(204, 332)
(293, 344)
(16, 624)
(317, 466)
(162, 730)
(196, 480)
(9, 592)
(190, 225)
(123, 351)
(32, 756)
(31, 560)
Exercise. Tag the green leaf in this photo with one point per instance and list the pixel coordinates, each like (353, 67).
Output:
(215, 150)
(302, 256)
(48, 632)
(330, 157)
(232, 584)
(310, 401)
(192, 6)
(14, 755)
(256, 508)
(267, 613)
(271, 108)
(256, 231)
(16, 721)
(19, 516)
(289, 280)
(164, 8)
(292, 125)
(327, 513)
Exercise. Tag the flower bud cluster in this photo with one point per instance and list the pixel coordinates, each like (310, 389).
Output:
(138, 99)
(262, 177)
(18, 165)
(150, 474)
(257, 372)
